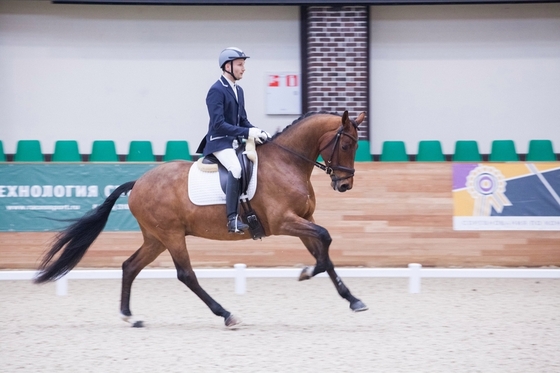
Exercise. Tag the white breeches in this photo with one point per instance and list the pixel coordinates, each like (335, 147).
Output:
(228, 159)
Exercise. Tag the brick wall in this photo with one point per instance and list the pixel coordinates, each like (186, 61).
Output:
(336, 44)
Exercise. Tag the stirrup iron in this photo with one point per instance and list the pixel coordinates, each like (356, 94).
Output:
(235, 225)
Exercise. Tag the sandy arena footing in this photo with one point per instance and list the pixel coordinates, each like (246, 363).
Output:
(454, 325)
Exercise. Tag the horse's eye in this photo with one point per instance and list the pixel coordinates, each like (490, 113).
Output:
(345, 147)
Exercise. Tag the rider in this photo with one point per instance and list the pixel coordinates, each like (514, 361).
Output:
(228, 124)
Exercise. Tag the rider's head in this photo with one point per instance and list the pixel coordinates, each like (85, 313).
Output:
(232, 62)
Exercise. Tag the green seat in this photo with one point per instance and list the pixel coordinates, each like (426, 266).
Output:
(503, 151)
(393, 151)
(2, 155)
(363, 153)
(103, 151)
(541, 150)
(466, 151)
(140, 151)
(29, 151)
(66, 151)
(430, 151)
(177, 149)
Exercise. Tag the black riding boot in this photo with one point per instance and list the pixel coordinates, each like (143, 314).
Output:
(234, 225)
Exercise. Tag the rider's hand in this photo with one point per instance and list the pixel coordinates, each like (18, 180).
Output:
(259, 135)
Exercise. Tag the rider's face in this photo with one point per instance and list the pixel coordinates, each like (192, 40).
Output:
(238, 68)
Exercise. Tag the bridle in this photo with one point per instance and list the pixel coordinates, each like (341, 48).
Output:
(328, 167)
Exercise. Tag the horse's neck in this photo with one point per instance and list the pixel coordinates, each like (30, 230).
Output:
(305, 139)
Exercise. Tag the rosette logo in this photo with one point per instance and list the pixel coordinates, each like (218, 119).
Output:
(487, 186)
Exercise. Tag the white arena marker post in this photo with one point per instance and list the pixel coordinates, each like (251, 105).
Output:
(62, 286)
(414, 279)
(240, 278)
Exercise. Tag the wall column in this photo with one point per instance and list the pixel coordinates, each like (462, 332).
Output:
(335, 48)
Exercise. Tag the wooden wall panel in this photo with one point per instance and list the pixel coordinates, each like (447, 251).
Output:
(397, 213)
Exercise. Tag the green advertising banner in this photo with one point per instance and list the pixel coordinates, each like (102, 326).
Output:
(40, 196)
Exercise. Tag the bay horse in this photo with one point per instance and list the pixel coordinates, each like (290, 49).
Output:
(284, 202)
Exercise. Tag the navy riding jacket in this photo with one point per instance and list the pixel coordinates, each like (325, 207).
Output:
(228, 119)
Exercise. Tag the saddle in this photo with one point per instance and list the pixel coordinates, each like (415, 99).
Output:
(247, 156)
(210, 163)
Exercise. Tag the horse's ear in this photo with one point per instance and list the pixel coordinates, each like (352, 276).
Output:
(360, 118)
(345, 118)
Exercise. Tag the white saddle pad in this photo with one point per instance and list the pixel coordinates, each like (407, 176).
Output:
(204, 187)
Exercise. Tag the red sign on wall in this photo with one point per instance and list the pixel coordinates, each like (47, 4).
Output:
(283, 93)
(273, 81)
(291, 81)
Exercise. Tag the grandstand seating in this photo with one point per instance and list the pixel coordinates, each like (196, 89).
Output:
(503, 151)
(430, 151)
(29, 151)
(363, 153)
(393, 151)
(2, 155)
(541, 150)
(140, 151)
(103, 151)
(177, 150)
(66, 151)
(466, 151)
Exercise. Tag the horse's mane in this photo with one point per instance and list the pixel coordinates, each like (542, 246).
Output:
(300, 119)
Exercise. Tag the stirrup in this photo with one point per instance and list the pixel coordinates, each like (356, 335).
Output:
(235, 225)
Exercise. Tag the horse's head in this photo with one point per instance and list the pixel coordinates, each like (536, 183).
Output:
(338, 149)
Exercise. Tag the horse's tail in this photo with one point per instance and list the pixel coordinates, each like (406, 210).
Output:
(77, 238)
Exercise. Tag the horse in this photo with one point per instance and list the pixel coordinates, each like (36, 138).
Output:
(284, 201)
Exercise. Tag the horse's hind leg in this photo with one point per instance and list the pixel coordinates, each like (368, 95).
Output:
(147, 253)
(178, 249)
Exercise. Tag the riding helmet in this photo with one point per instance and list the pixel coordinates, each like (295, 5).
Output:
(230, 54)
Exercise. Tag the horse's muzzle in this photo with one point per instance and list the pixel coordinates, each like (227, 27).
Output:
(342, 185)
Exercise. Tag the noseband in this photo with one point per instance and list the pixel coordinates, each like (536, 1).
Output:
(328, 167)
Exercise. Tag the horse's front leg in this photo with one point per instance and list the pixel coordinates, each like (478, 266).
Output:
(317, 240)
(324, 264)
(356, 305)
(318, 245)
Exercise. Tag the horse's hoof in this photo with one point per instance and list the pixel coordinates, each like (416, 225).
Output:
(124, 317)
(232, 321)
(133, 322)
(306, 273)
(358, 306)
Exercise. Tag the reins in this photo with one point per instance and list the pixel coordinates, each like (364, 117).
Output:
(328, 167)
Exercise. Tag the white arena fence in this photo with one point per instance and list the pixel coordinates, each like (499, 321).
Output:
(240, 273)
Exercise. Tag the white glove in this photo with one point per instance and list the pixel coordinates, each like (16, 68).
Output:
(259, 135)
